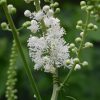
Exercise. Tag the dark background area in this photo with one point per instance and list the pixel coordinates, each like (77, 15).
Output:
(84, 84)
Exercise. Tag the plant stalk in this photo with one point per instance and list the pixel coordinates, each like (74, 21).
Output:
(27, 68)
(55, 86)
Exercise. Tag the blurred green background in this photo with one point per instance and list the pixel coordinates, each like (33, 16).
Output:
(83, 84)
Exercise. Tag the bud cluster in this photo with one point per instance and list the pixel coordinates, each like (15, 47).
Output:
(92, 6)
(55, 5)
(11, 9)
(11, 78)
(79, 41)
(96, 8)
(85, 27)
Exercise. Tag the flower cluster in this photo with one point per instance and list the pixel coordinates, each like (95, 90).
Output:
(49, 51)
(95, 5)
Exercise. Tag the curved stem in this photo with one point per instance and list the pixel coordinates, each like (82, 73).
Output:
(80, 47)
(55, 86)
(27, 68)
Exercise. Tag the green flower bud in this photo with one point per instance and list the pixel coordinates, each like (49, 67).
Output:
(26, 24)
(57, 10)
(78, 40)
(78, 27)
(76, 60)
(15, 97)
(74, 50)
(77, 67)
(88, 45)
(68, 62)
(4, 26)
(98, 6)
(72, 45)
(95, 27)
(11, 9)
(81, 34)
(56, 4)
(79, 23)
(92, 12)
(83, 7)
(83, 3)
(34, 96)
(2, 2)
(90, 26)
(52, 5)
(85, 63)
(90, 8)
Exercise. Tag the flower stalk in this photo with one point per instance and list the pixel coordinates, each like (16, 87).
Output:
(55, 86)
(85, 33)
(79, 50)
(27, 68)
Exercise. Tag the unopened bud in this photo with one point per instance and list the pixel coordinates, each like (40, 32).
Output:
(83, 7)
(83, 3)
(89, 8)
(79, 23)
(88, 45)
(74, 50)
(11, 9)
(4, 26)
(56, 4)
(95, 27)
(50, 13)
(68, 62)
(85, 63)
(77, 67)
(76, 60)
(57, 10)
(2, 2)
(91, 26)
(78, 40)
(26, 24)
(46, 8)
(78, 27)
(72, 45)
(27, 13)
(81, 34)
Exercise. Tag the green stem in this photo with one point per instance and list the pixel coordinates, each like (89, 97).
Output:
(55, 86)
(85, 33)
(80, 47)
(27, 68)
